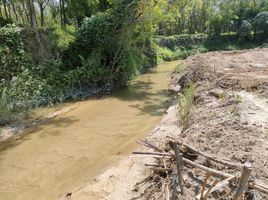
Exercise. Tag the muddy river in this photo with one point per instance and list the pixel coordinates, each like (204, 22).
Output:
(63, 153)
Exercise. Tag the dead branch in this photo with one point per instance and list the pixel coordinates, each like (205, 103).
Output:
(153, 153)
(150, 145)
(213, 158)
(207, 169)
(218, 186)
(209, 190)
(204, 186)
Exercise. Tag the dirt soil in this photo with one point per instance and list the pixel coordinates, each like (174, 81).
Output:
(229, 119)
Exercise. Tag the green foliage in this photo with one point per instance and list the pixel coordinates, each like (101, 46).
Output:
(261, 22)
(4, 22)
(245, 31)
(216, 24)
(13, 56)
(62, 38)
(185, 104)
(81, 9)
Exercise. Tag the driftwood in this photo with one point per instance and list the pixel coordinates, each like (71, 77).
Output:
(243, 182)
(213, 158)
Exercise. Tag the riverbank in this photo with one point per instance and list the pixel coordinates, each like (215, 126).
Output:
(228, 120)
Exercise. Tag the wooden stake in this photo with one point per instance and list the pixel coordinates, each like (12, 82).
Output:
(174, 184)
(243, 183)
(179, 162)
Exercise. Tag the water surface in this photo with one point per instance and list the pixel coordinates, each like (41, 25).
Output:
(71, 149)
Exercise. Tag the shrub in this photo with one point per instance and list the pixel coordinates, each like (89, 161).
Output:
(261, 22)
(245, 31)
(185, 103)
(216, 24)
(13, 56)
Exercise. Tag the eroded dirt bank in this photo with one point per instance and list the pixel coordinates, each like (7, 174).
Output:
(229, 120)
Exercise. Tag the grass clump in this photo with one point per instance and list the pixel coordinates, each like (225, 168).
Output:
(185, 104)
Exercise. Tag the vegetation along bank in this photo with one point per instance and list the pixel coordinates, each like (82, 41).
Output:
(53, 51)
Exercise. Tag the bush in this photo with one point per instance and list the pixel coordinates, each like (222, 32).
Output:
(216, 24)
(13, 56)
(261, 22)
(245, 31)
(185, 104)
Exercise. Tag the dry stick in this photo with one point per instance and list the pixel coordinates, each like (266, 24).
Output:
(219, 186)
(207, 169)
(213, 158)
(179, 163)
(204, 185)
(167, 192)
(149, 144)
(212, 171)
(209, 190)
(243, 183)
(153, 153)
(193, 164)
(174, 184)
(258, 187)
(161, 169)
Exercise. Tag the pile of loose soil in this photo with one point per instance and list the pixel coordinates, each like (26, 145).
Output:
(230, 114)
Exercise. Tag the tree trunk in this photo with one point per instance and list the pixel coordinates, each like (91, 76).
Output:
(5, 8)
(21, 14)
(26, 12)
(14, 10)
(1, 14)
(32, 14)
(63, 13)
(9, 10)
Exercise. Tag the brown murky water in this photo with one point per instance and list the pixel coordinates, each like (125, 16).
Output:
(65, 152)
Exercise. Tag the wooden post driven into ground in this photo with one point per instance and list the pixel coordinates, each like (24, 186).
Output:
(243, 182)
(179, 162)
